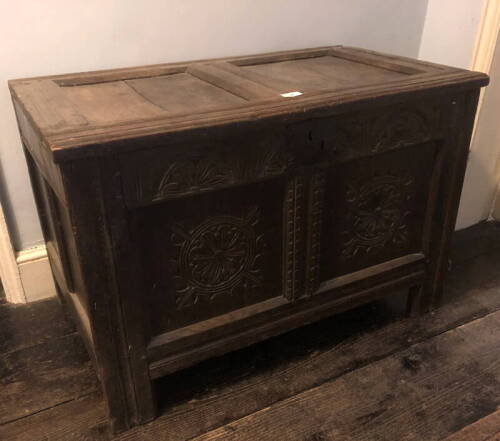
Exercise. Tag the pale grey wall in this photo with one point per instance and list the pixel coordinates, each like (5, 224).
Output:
(56, 36)
(450, 31)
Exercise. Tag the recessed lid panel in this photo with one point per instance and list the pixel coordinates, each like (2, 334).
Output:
(321, 73)
(80, 111)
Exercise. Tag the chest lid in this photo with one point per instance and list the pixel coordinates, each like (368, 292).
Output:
(78, 114)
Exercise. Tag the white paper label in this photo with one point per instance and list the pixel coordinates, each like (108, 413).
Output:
(291, 94)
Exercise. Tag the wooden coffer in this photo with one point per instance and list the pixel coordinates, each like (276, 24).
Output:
(191, 209)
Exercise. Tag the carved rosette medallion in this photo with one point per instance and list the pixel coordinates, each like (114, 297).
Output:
(216, 258)
(378, 214)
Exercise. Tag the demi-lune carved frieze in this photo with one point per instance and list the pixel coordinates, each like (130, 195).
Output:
(395, 129)
(363, 134)
(191, 176)
(218, 257)
(378, 213)
(200, 174)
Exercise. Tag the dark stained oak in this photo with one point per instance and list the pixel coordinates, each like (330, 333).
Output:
(486, 429)
(474, 241)
(193, 209)
(38, 377)
(42, 322)
(394, 398)
(217, 392)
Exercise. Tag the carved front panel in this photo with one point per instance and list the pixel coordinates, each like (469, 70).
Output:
(231, 224)
(212, 253)
(376, 209)
(379, 213)
(220, 257)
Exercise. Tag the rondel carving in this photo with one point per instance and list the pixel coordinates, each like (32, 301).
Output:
(378, 212)
(218, 257)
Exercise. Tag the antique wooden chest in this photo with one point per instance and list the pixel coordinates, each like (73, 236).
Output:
(191, 209)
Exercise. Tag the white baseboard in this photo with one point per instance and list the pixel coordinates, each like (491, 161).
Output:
(36, 276)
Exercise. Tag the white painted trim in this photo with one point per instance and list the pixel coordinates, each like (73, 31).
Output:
(35, 273)
(484, 52)
(487, 36)
(9, 270)
(31, 254)
(484, 49)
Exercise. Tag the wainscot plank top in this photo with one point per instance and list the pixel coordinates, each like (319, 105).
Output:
(97, 113)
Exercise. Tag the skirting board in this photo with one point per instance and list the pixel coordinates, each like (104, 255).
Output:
(35, 273)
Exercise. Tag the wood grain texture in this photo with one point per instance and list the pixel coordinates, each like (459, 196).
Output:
(103, 103)
(333, 71)
(188, 197)
(41, 376)
(224, 390)
(41, 322)
(97, 289)
(486, 429)
(84, 142)
(82, 419)
(242, 87)
(451, 175)
(393, 398)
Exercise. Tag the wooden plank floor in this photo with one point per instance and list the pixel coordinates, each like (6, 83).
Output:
(368, 374)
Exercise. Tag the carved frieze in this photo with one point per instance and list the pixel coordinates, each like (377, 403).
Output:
(189, 176)
(226, 168)
(395, 129)
(363, 134)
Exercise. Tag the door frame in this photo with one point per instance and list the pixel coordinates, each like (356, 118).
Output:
(484, 51)
(485, 45)
(9, 268)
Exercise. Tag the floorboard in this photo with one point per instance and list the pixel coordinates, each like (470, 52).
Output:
(28, 325)
(83, 419)
(346, 375)
(39, 377)
(423, 393)
(471, 242)
(485, 429)
(234, 386)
